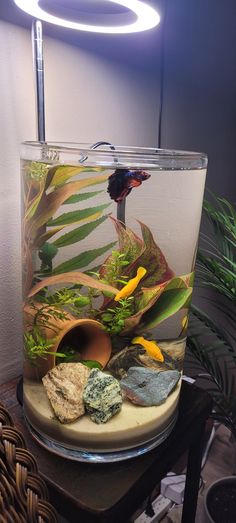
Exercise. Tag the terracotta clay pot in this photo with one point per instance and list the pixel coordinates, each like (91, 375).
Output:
(86, 336)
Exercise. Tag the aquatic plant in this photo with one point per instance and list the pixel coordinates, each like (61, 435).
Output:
(46, 188)
(54, 306)
(149, 304)
(161, 295)
(114, 318)
(40, 315)
(68, 298)
(38, 346)
(139, 252)
(114, 269)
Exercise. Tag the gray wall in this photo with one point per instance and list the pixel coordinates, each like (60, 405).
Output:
(199, 92)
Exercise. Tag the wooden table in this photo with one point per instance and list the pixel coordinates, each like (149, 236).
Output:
(112, 492)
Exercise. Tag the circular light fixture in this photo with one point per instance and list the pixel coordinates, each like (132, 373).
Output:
(147, 17)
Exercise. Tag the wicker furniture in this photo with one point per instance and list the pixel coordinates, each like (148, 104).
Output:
(23, 493)
(112, 492)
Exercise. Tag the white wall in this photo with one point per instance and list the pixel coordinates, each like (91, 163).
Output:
(87, 99)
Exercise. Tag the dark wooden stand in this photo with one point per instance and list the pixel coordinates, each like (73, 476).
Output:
(89, 493)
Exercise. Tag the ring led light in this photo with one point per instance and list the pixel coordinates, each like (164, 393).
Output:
(147, 17)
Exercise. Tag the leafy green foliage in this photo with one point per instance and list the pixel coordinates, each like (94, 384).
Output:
(37, 346)
(216, 263)
(46, 188)
(77, 216)
(43, 314)
(140, 252)
(82, 260)
(37, 171)
(170, 302)
(153, 305)
(208, 339)
(79, 233)
(68, 298)
(115, 266)
(92, 364)
(75, 198)
(213, 351)
(113, 319)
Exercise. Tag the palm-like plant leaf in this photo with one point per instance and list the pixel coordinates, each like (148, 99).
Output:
(216, 265)
(208, 342)
(215, 354)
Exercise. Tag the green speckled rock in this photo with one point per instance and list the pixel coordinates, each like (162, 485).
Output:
(102, 396)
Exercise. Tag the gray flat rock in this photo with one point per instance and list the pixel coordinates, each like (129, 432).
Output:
(148, 387)
(102, 396)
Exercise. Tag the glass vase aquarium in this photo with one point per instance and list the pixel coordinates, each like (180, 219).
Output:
(109, 244)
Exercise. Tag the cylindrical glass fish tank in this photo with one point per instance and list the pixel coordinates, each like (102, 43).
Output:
(109, 243)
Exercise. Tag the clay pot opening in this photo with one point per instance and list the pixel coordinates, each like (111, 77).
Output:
(85, 342)
(85, 337)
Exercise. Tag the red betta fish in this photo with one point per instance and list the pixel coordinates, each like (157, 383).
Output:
(122, 181)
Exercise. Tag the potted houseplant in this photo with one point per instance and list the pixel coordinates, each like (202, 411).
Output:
(212, 337)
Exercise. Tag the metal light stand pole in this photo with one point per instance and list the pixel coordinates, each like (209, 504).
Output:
(37, 47)
(38, 64)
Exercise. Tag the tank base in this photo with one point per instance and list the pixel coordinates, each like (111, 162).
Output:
(101, 457)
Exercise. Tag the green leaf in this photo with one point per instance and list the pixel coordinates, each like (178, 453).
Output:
(148, 296)
(79, 233)
(143, 301)
(107, 316)
(180, 282)
(212, 349)
(51, 202)
(170, 302)
(77, 216)
(75, 198)
(42, 238)
(82, 260)
(92, 364)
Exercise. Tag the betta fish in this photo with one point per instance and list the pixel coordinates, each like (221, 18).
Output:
(122, 181)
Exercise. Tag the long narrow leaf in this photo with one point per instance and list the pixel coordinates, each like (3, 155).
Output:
(77, 216)
(64, 172)
(75, 198)
(51, 202)
(72, 277)
(79, 233)
(82, 260)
